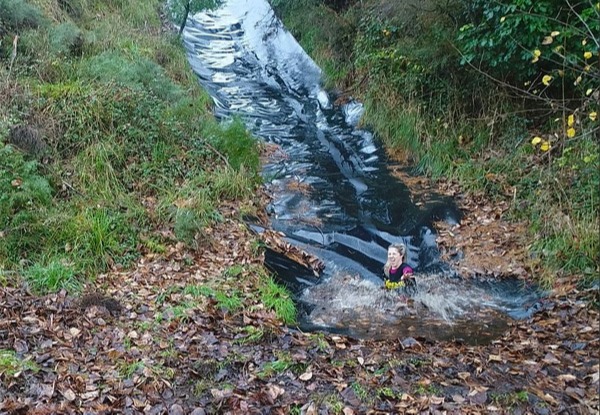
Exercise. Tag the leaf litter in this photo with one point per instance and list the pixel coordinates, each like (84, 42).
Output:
(139, 341)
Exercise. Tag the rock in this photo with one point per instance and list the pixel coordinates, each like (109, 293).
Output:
(176, 409)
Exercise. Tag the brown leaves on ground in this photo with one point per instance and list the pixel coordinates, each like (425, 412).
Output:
(147, 341)
(484, 243)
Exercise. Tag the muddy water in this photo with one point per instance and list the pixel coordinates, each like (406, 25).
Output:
(333, 194)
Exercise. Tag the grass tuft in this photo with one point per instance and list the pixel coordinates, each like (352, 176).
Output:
(278, 298)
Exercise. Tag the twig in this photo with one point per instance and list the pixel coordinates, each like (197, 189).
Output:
(13, 56)
(590, 32)
(218, 153)
(505, 84)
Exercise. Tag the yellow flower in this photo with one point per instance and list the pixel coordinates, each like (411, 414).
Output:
(545, 146)
(571, 132)
(547, 40)
(502, 19)
(536, 140)
(555, 33)
(584, 42)
(536, 55)
(587, 68)
(593, 115)
(589, 92)
(546, 79)
(587, 55)
(571, 120)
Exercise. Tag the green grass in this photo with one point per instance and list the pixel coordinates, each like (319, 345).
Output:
(510, 399)
(251, 335)
(278, 298)
(52, 275)
(230, 301)
(122, 120)
(11, 364)
(269, 369)
(128, 369)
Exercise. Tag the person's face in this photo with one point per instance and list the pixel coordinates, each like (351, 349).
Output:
(394, 256)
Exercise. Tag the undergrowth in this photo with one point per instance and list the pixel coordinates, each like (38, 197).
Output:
(106, 141)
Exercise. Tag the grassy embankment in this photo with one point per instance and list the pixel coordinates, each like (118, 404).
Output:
(453, 121)
(108, 149)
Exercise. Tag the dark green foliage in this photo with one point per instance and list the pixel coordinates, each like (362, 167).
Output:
(18, 15)
(502, 37)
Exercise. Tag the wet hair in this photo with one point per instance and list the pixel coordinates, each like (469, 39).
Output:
(401, 248)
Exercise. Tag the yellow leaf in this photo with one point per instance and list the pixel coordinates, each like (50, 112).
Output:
(555, 33)
(593, 115)
(561, 73)
(587, 55)
(589, 92)
(536, 140)
(587, 68)
(546, 79)
(547, 40)
(571, 132)
(502, 19)
(545, 146)
(571, 120)
(578, 80)
(584, 42)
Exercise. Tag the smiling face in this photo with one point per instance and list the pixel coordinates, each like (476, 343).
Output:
(394, 257)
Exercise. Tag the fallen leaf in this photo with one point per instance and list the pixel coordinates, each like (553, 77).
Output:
(306, 376)
(69, 395)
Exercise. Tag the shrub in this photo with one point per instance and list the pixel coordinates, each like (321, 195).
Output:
(133, 72)
(18, 15)
(66, 39)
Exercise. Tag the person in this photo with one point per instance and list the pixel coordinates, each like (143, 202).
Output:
(396, 272)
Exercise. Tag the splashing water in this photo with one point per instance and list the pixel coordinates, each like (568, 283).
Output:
(253, 68)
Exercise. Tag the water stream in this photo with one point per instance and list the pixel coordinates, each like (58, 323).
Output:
(333, 195)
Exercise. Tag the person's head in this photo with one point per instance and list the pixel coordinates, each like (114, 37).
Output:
(395, 256)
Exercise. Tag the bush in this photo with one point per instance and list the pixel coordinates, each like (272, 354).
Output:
(18, 15)
(136, 72)
(66, 39)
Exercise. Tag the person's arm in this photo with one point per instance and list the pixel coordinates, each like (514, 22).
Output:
(407, 272)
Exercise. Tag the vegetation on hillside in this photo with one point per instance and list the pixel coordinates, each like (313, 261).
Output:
(108, 149)
(500, 96)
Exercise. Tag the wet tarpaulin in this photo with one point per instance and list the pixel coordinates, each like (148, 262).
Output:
(333, 194)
